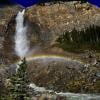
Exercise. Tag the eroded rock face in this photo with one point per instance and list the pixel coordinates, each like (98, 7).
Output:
(7, 27)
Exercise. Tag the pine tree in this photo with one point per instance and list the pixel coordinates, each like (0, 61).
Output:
(18, 90)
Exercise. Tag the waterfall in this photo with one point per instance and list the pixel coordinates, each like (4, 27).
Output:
(21, 41)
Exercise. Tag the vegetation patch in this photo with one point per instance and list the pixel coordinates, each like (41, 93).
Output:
(78, 41)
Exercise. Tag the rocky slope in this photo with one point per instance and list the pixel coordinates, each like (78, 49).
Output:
(65, 76)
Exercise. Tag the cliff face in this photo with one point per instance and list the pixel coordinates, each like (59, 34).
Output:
(55, 18)
(46, 23)
(60, 17)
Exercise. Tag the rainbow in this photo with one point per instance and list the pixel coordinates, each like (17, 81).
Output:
(53, 57)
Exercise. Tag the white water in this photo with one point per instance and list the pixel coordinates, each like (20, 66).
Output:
(68, 95)
(21, 41)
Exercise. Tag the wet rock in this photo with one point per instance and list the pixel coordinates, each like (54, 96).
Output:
(98, 74)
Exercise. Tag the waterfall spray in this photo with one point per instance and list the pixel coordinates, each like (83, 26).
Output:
(21, 41)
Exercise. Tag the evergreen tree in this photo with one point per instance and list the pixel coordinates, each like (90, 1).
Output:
(18, 89)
